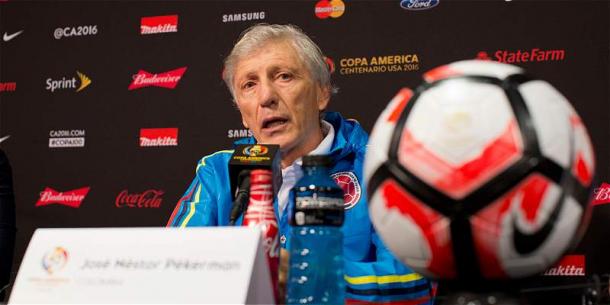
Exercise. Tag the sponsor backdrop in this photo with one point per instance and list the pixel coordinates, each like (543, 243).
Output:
(106, 107)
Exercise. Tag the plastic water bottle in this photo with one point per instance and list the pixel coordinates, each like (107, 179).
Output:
(315, 272)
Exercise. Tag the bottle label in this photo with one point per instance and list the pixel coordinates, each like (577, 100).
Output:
(312, 208)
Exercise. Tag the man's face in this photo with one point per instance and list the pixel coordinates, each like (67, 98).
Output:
(278, 98)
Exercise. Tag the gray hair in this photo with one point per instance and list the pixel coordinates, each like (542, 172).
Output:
(258, 35)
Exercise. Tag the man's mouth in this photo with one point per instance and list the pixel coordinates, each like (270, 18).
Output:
(274, 122)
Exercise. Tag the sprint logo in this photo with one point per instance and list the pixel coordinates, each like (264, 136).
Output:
(69, 83)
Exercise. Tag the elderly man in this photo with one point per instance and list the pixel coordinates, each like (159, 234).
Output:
(281, 86)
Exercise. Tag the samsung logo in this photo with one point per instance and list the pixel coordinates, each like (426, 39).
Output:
(243, 16)
(418, 5)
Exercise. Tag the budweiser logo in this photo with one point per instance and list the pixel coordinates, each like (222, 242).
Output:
(602, 194)
(72, 198)
(569, 265)
(158, 137)
(167, 79)
(147, 199)
(159, 24)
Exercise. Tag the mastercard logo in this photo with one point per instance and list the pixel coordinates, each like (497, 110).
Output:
(333, 9)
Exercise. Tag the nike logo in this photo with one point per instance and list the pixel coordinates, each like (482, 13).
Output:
(7, 37)
(526, 243)
(4, 138)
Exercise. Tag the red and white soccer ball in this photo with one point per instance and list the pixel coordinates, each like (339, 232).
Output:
(482, 172)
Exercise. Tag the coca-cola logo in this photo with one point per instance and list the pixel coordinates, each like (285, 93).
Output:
(72, 198)
(146, 199)
(159, 24)
(601, 195)
(167, 79)
(158, 137)
(569, 265)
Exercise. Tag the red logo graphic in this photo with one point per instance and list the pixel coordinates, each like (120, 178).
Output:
(159, 24)
(11, 86)
(569, 265)
(602, 194)
(330, 63)
(158, 137)
(167, 79)
(147, 199)
(351, 188)
(72, 198)
(483, 56)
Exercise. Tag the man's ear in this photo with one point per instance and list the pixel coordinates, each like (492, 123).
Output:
(323, 97)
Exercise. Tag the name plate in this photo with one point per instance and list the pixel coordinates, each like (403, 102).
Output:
(224, 265)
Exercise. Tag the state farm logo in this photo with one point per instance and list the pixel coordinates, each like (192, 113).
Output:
(167, 79)
(8, 87)
(569, 265)
(146, 199)
(159, 24)
(243, 16)
(67, 138)
(379, 64)
(158, 137)
(72, 198)
(601, 194)
(69, 83)
(418, 5)
(333, 9)
(521, 56)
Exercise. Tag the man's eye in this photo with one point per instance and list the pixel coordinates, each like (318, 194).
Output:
(284, 76)
(248, 85)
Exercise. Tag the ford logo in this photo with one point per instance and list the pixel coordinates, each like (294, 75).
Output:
(418, 5)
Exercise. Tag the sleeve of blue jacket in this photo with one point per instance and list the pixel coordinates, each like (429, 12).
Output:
(199, 206)
(384, 281)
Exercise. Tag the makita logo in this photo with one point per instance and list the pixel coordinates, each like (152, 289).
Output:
(243, 16)
(147, 199)
(167, 79)
(11, 86)
(521, 56)
(159, 24)
(67, 138)
(569, 265)
(72, 198)
(158, 137)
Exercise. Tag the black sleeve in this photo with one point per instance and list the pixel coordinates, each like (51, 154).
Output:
(7, 223)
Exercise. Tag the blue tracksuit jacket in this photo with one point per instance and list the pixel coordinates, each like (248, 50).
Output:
(371, 272)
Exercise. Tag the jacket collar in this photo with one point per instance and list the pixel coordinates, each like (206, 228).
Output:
(349, 136)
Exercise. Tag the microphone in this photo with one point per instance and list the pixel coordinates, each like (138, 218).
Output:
(246, 158)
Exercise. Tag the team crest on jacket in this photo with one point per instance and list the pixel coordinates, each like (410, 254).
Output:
(351, 188)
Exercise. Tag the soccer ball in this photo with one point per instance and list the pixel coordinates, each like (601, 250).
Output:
(482, 172)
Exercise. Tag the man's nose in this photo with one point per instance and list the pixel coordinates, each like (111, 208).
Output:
(268, 94)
